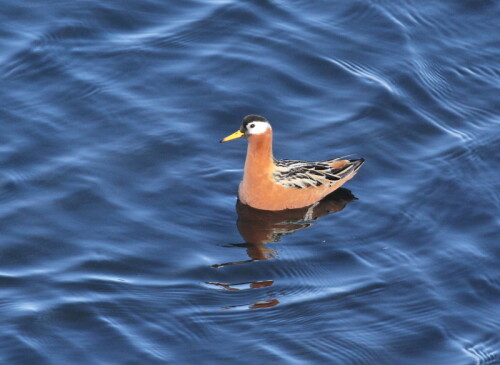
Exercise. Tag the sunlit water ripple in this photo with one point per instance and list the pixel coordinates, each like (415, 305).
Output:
(121, 238)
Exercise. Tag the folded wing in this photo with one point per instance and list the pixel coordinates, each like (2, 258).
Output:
(303, 174)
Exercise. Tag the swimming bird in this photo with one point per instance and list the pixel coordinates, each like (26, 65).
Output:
(271, 184)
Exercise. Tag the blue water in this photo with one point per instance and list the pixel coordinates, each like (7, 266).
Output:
(122, 242)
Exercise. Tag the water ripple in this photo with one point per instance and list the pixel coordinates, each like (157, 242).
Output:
(119, 219)
(363, 72)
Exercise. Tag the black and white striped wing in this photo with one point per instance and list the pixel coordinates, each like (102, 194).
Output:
(303, 174)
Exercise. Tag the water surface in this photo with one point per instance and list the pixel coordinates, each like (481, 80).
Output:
(122, 240)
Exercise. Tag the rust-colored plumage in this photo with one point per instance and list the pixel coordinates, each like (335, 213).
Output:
(271, 184)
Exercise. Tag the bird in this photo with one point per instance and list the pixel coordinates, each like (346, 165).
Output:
(271, 184)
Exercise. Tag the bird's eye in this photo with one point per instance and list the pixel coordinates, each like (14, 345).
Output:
(252, 125)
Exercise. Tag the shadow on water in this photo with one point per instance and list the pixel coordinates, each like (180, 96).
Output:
(260, 227)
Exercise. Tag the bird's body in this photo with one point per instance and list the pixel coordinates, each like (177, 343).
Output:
(271, 184)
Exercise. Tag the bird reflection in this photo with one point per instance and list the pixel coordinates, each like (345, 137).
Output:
(259, 227)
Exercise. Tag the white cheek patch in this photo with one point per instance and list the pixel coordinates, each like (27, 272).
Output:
(259, 127)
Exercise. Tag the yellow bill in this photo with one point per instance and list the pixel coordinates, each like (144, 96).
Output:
(235, 135)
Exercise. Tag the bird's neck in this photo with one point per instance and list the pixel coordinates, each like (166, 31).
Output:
(260, 161)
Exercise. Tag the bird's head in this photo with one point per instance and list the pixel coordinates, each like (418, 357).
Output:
(250, 126)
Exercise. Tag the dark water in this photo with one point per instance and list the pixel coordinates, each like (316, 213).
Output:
(120, 232)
